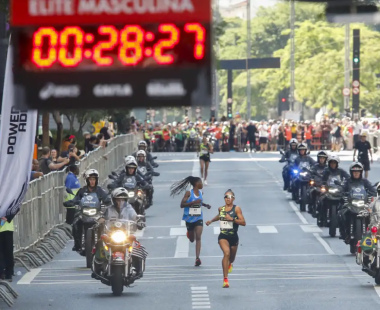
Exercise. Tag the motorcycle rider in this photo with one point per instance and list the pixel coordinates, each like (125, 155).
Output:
(144, 146)
(92, 178)
(120, 209)
(285, 171)
(355, 179)
(303, 157)
(317, 172)
(141, 162)
(333, 169)
(131, 171)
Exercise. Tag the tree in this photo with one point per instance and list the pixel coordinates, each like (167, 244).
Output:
(121, 118)
(58, 139)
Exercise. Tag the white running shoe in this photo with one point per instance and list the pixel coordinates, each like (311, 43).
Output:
(205, 182)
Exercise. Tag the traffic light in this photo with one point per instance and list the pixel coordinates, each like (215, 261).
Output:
(229, 110)
(283, 99)
(356, 72)
(356, 60)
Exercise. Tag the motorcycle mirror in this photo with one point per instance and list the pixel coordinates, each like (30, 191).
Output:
(114, 173)
(68, 190)
(336, 182)
(154, 157)
(111, 176)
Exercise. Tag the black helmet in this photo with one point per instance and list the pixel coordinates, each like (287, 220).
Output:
(356, 167)
(322, 154)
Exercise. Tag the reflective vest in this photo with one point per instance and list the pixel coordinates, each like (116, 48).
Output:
(146, 135)
(7, 227)
(308, 133)
(71, 196)
(166, 135)
(288, 133)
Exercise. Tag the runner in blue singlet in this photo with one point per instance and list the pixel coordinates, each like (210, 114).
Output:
(192, 214)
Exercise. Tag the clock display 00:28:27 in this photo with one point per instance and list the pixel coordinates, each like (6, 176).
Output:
(130, 46)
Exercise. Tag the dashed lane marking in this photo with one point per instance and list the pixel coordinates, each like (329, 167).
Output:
(311, 228)
(200, 298)
(301, 217)
(29, 276)
(324, 244)
(182, 247)
(267, 229)
(178, 231)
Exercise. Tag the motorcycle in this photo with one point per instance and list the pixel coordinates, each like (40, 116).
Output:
(288, 170)
(137, 196)
(358, 214)
(89, 211)
(315, 191)
(329, 203)
(368, 249)
(117, 251)
(302, 179)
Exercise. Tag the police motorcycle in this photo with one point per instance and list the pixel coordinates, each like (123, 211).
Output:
(302, 177)
(368, 248)
(89, 212)
(116, 254)
(329, 203)
(289, 169)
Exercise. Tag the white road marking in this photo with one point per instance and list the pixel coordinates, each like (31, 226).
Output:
(324, 244)
(166, 237)
(267, 229)
(140, 233)
(311, 228)
(182, 247)
(295, 208)
(178, 231)
(29, 276)
(377, 289)
(216, 230)
(196, 167)
(200, 298)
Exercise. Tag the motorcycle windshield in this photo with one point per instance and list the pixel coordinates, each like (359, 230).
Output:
(130, 183)
(331, 180)
(358, 193)
(292, 158)
(128, 227)
(304, 165)
(90, 201)
(143, 170)
(375, 214)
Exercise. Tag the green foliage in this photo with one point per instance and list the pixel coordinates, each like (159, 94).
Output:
(319, 60)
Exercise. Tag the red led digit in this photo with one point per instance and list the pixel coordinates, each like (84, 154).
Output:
(173, 39)
(37, 57)
(131, 50)
(105, 46)
(200, 37)
(66, 58)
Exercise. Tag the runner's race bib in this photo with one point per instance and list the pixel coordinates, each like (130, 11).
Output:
(204, 152)
(195, 211)
(226, 225)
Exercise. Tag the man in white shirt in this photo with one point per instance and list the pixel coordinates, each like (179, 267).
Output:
(274, 136)
(263, 136)
(357, 129)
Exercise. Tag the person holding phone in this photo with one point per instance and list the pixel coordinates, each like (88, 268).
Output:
(230, 217)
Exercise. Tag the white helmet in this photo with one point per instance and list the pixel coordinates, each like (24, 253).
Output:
(293, 141)
(334, 157)
(143, 143)
(130, 161)
(119, 193)
(174, 124)
(141, 153)
(91, 173)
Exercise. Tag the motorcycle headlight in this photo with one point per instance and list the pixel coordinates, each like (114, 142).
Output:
(139, 193)
(303, 174)
(89, 211)
(131, 194)
(119, 236)
(295, 171)
(333, 190)
(358, 203)
(311, 182)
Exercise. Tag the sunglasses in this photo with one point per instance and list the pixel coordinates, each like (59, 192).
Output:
(229, 196)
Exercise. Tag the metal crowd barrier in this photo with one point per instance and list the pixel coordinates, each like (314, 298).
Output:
(42, 213)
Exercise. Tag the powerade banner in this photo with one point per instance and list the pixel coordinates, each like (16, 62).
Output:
(17, 136)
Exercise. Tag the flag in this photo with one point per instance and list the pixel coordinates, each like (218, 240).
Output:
(17, 137)
(138, 250)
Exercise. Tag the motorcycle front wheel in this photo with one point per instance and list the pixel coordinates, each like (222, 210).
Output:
(303, 198)
(333, 221)
(88, 247)
(117, 280)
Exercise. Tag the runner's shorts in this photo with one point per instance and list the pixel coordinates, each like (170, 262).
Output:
(191, 226)
(233, 240)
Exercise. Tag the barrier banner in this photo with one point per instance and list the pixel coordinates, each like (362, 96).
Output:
(17, 137)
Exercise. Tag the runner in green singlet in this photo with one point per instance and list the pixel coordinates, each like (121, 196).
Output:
(230, 217)
(205, 149)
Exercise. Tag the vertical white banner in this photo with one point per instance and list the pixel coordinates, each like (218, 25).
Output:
(17, 137)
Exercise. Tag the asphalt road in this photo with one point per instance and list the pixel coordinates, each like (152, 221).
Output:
(284, 260)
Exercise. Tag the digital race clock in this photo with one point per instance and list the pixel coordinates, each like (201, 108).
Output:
(103, 53)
